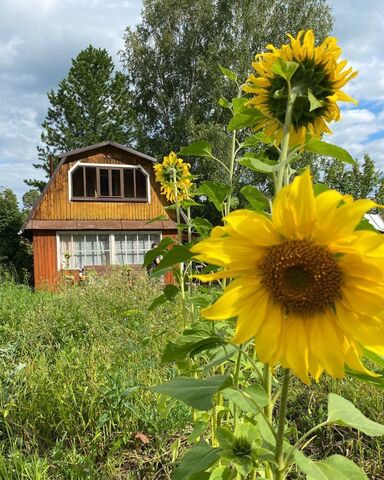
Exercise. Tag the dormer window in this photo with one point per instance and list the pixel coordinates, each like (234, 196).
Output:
(128, 183)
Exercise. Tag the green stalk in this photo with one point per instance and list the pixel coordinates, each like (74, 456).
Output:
(267, 381)
(285, 140)
(179, 238)
(231, 169)
(236, 382)
(279, 454)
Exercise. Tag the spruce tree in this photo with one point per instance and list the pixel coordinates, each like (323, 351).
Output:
(91, 105)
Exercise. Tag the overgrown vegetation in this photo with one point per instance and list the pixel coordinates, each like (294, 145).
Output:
(74, 367)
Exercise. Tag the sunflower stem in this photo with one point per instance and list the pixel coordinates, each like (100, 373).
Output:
(279, 454)
(236, 382)
(232, 164)
(285, 139)
(267, 382)
(180, 240)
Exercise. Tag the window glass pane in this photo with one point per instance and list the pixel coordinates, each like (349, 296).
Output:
(78, 182)
(66, 251)
(154, 239)
(78, 243)
(132, 249)
(128, 183)
(141, 184)
(116, 185)
(104, 183)
(103, 257)
(91, 243)
(90, 177)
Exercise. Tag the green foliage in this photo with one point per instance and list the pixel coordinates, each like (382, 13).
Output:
(173, 56)
(331, 468)
(197, 393)
(257, 200)
(343, 412)
(216, 193)
(285, 69)
(315, 145)
(29, 199)
(196, 460)
(91, 105)
(15, 251)
(361, 181)
(75, 367)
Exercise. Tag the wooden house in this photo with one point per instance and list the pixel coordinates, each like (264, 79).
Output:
(95, 212)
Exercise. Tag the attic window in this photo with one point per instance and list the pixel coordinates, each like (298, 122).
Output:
(109, 183)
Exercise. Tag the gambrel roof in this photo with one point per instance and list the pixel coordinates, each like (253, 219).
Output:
(63, 158)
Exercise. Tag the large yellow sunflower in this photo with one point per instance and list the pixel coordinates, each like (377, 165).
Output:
(319, 76)
(307, 286)
(165, 174)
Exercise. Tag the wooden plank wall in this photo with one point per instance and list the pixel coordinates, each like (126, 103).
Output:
(56, 205)
(45, 259)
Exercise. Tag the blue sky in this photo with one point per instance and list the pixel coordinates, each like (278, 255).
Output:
(38, 38)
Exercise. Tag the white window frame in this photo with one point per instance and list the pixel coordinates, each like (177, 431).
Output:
(110, 233)
(108, 165)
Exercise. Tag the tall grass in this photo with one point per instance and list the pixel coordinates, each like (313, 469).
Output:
(74, 365)
(73, 404)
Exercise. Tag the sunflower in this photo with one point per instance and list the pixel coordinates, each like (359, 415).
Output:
(307, 285)
(316, 84)
(172, 169)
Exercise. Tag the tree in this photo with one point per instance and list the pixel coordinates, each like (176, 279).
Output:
(15, 252)
(363, 180)
(91, 105)
(172, 59)
(29, 199)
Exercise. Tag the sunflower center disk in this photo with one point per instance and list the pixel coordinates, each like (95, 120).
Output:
(302, 276)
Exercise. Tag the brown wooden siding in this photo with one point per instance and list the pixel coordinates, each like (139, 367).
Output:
(56, 205)
(45, 259)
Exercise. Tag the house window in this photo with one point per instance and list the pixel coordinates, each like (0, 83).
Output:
(109, 183)
(78, 250)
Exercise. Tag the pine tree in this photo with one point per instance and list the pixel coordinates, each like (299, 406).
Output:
(91, 105)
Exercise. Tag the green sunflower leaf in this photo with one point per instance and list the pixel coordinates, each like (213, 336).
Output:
(343, 412)
(245, 117)
(222, 473)
(239, 103)
(284, 68)
(159, 250)
(332, 468)
(201, 148)
(202, 225)
(169, 293)
(197, 393)
(257, 200)
(254, 141)
(223, 102)
(258, 165)
(315, 145)
(195, 461)
(215, 192)
(377, 381)
(177, 254)
(314, 103)
(192, 342)
(228, 73)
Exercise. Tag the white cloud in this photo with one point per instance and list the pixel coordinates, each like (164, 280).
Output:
(38, 38)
